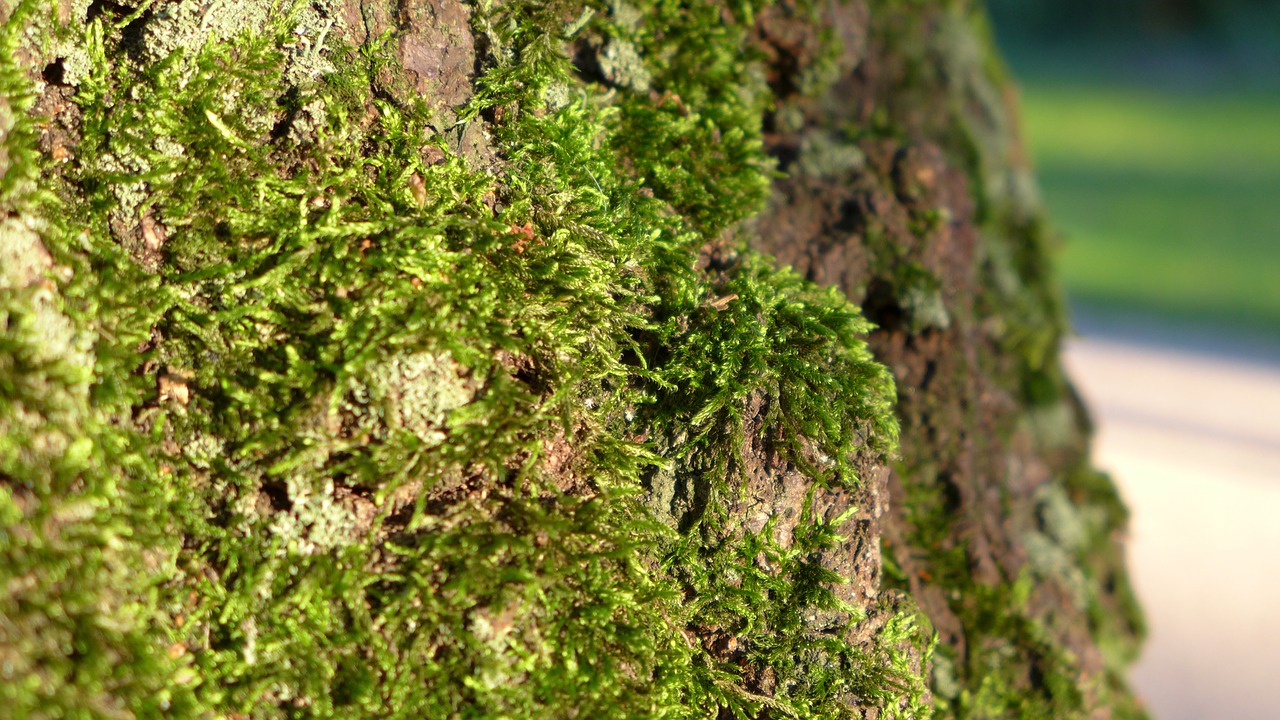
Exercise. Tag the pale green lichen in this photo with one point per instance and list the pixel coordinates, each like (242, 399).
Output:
(622, 66)
(418, 391)
(315, 522)
(979, 96)
(204, 451)
(944, 683)
(1054, 426)
(824, 156)
(1051, 561)
(187, 26)
(24, 261)
(1062, 519)
(625, 14)
(924, 306)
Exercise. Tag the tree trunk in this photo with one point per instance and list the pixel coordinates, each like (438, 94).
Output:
(366, 358)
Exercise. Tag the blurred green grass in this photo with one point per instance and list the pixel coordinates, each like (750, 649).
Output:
(1168, 202)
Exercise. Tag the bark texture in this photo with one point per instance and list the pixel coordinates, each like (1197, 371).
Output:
(367, 358)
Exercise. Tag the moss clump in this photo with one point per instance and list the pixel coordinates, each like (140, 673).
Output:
(382, 422)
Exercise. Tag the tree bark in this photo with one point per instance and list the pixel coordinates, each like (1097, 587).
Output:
(426, 358)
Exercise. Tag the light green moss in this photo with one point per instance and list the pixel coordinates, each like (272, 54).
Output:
(77, 637)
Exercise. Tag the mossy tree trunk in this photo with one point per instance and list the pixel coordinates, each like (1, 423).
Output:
(366, 358)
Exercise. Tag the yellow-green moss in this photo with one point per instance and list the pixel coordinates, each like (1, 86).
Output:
(379, 420)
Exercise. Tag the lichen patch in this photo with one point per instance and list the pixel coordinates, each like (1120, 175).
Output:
(418, 391)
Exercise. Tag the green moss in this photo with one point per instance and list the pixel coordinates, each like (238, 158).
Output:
(698, 146)
(387, 418)
(78, 637)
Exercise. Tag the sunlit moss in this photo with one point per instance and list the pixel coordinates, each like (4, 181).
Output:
(387, 418)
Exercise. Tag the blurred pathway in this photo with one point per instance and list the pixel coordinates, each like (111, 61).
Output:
(1193, 441)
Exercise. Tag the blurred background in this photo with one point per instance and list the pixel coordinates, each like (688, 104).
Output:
(1155, 128)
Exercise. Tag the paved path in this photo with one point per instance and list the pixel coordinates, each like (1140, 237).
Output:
(1194, 444)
